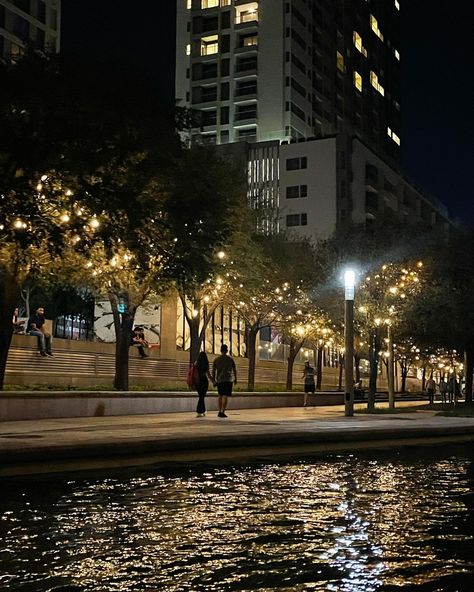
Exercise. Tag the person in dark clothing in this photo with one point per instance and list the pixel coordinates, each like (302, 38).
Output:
(202, 364)
(224, 376)
(139, 341)
(35, 327)
(309, 383)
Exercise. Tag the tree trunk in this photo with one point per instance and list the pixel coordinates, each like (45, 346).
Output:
(251, 355)
(357, 368)
(9, 294)
(423, 379)
(289, 370)
(123, 336)
(195, 345)
(373, 361)
(319, 368)
(468, 371)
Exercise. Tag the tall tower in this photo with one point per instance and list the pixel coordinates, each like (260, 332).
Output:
(291, 69)
(23, 22)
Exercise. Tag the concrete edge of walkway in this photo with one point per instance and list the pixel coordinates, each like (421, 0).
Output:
(200, 447)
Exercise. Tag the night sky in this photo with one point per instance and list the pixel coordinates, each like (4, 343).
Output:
(437, 78)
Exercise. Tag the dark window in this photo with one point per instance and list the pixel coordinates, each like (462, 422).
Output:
(246, 112)
(209, 71)
(53, 18)
(224, 115)
(225, 91)
(22, 5)
(296, 191)
(210, 24)
(246, 64)
(2, 17)
(225, 43)
(41, 11)
(225, 20)
(39, 42)
(294, 164)
(293, 192)
(209, 117)
(249, 135)
(246, 87)
(304, 219)
(293, 220)
(208, 93)
(371, 201)
(371, 173)
(225, 65)
(21, 28)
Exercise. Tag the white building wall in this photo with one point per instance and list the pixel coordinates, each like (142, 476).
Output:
(320, 179)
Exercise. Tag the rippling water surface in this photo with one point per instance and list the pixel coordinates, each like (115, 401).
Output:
(350, 523)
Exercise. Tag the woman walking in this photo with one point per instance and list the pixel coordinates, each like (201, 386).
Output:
(202, 365)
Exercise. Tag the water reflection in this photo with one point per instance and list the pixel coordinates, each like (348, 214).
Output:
(347, 523)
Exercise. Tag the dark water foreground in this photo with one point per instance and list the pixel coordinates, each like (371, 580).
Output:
(365, 522)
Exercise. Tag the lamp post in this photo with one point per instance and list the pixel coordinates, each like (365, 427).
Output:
(349, 289)
(391, 374)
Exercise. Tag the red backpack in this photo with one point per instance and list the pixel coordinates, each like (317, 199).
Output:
(193, 376)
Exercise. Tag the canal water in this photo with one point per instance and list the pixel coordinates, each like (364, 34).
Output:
(350, 522)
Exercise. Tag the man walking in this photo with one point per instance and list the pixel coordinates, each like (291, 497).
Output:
(224, 375)
(430, 389)
(35, 327)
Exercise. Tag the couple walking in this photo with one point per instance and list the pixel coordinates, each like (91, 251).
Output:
(224, 376)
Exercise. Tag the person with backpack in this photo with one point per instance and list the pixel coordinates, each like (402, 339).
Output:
(201, 377)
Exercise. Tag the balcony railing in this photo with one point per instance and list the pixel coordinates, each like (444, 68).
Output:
(246, 17)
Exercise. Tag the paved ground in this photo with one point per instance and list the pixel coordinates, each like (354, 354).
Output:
(87, 443)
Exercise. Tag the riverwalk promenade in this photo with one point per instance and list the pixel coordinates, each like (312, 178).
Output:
(88, 443)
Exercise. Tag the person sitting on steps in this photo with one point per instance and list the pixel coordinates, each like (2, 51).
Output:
(139, 341)
(35, 327)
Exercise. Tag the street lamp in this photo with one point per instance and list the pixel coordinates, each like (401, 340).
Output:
(349, 289)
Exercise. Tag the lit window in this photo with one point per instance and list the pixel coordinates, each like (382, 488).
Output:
(374, 81)
(246, 13)
(340, 61)
(393, 135)
(225, 2)
(375, 27)
(397, 4)
(358, 81)
(358, 43)
(188, 49)
(189, 4)
(209, 45)
(397, 54)
(209, 3)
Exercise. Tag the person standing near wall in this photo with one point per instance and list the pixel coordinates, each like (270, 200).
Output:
(224, 375)
(309, 384)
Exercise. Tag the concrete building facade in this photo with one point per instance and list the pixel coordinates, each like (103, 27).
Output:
(291, 69)
(29, 22)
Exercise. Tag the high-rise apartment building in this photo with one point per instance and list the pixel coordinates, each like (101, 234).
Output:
(291, 69)
(29, 22)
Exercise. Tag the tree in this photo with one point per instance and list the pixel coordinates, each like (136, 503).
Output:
(76, 170)
(206, 207)
(442, 316)
(382, 300)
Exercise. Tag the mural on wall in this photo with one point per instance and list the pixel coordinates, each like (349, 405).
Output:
(147, 316)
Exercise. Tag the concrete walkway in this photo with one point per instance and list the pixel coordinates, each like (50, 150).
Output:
(52, 445)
